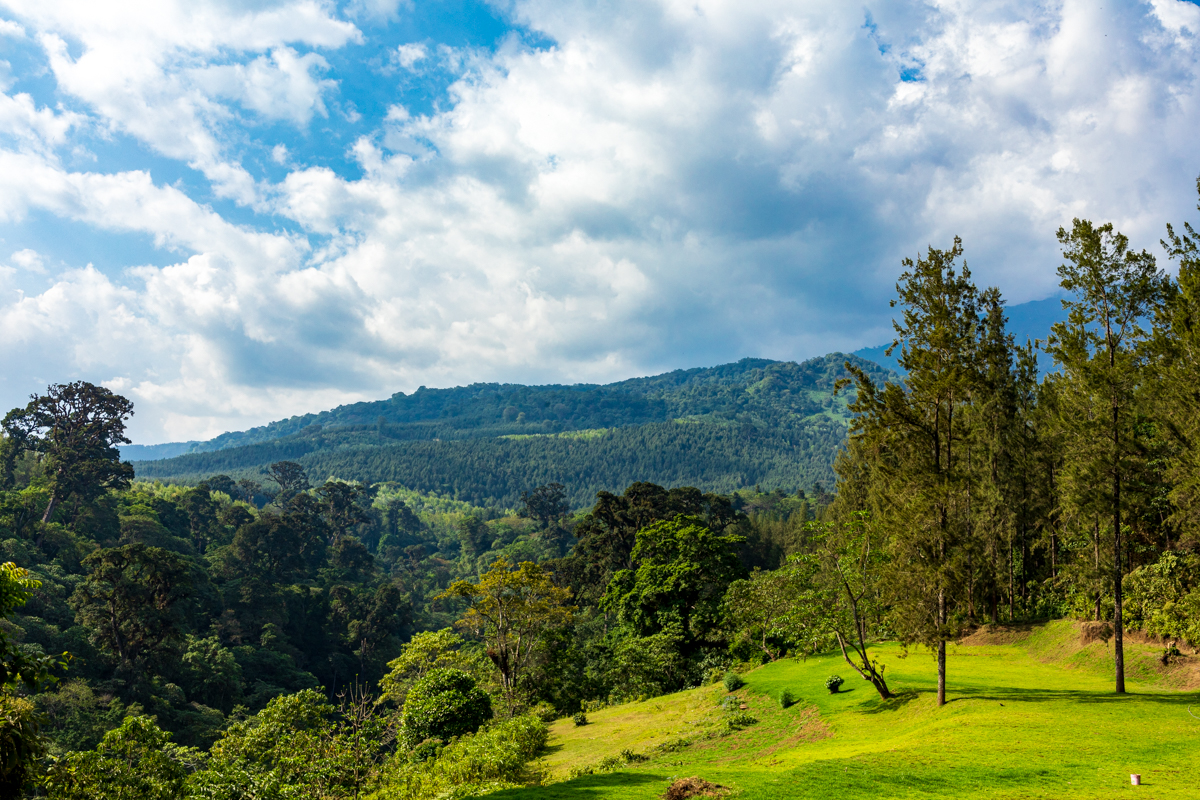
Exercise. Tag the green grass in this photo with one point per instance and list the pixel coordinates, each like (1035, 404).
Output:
(1033, 718)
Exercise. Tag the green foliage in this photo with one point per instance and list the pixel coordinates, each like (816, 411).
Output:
(833, 683)
(497, 757)
(733, 681)
(130, 602)
(443, 704)
(579, 718)
(1164, 597)
(426, 651)
(136, 761)
(299, 746)
(787, 699)
(683, 570)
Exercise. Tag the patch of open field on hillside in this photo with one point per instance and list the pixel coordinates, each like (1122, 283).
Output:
(1031, 714)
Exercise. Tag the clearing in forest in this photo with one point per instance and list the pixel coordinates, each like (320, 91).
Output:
(1033, 717)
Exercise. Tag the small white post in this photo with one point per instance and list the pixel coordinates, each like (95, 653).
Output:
(1136, 780)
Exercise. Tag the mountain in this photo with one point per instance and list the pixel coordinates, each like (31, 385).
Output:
(1026, 321)
(770, 423)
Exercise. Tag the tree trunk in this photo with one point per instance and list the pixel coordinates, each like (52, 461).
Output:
(941, 648)
(1118, 621)
(1096, 544)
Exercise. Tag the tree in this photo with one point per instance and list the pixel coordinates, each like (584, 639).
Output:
(758, 610)
(340, 503)
(1101, 350)
(546, 503)
(77, 428)
(512, 610)
(425, 651)
(608, 533)
(130, 602)
(21, 743)
(906, 449)
(1176, 347)
(683, 571)
(278, 547)
(136, 761)
(849, 601)
(290, 476)
(443, 704)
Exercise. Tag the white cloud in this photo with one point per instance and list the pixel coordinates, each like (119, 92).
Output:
(670, 184)
(10, 28)
(29, 260)
(137, 70)
(409, 54)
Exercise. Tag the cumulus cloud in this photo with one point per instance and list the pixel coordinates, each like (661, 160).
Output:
(136, 70)
(663, 184)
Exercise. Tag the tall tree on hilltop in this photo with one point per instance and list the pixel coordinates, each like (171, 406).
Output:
(77, 428)
(915, 434)
(1177, 377)
(1101, 351)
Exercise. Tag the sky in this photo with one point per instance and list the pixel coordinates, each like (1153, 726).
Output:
(236, 212)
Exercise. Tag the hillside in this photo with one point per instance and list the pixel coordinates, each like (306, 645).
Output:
(1031, 715)
(753, 422)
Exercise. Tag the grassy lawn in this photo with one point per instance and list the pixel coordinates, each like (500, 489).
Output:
(1031, 718)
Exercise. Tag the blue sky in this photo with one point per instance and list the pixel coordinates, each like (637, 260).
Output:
(235, 212)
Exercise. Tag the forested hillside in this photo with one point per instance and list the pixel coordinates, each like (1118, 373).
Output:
(754, 422)
(287, 634)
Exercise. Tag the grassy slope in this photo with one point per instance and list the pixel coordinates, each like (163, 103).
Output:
(1034, 718)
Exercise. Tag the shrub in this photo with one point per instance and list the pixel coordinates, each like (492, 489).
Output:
(497, 757)
(786, 699)
(579, 719)
(736, 721)
(733, 681)
(444, 704)
(833, 683)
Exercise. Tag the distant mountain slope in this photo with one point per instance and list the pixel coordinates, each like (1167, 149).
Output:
(720, 428)
(1026, 321)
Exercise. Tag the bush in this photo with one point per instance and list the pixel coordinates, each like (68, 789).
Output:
(579, 719)
(496, 757)
(444, 704)
(736, 722)
(833, 683)
(733, 681)
(786, 699)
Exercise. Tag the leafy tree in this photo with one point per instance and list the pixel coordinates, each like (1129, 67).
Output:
(300, 745)
(1100, 348)
(21, 743)
(278, 547)
(758, 609)
(545, 503)
(443, 704)
(683, 571)
(291, 478)
(130, 602)
(607, 535)
(214, 677)
(77, 428)
(426, 651)
(512, 610)
(341, 503)
(136, 761)
(849, 601)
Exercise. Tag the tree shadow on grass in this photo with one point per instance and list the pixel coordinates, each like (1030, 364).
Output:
(584, 787)
(1000, 694)
(894, 703)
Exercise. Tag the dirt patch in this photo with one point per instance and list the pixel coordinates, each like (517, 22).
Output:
(997, 634)
(694, 787)
(1095, 632)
